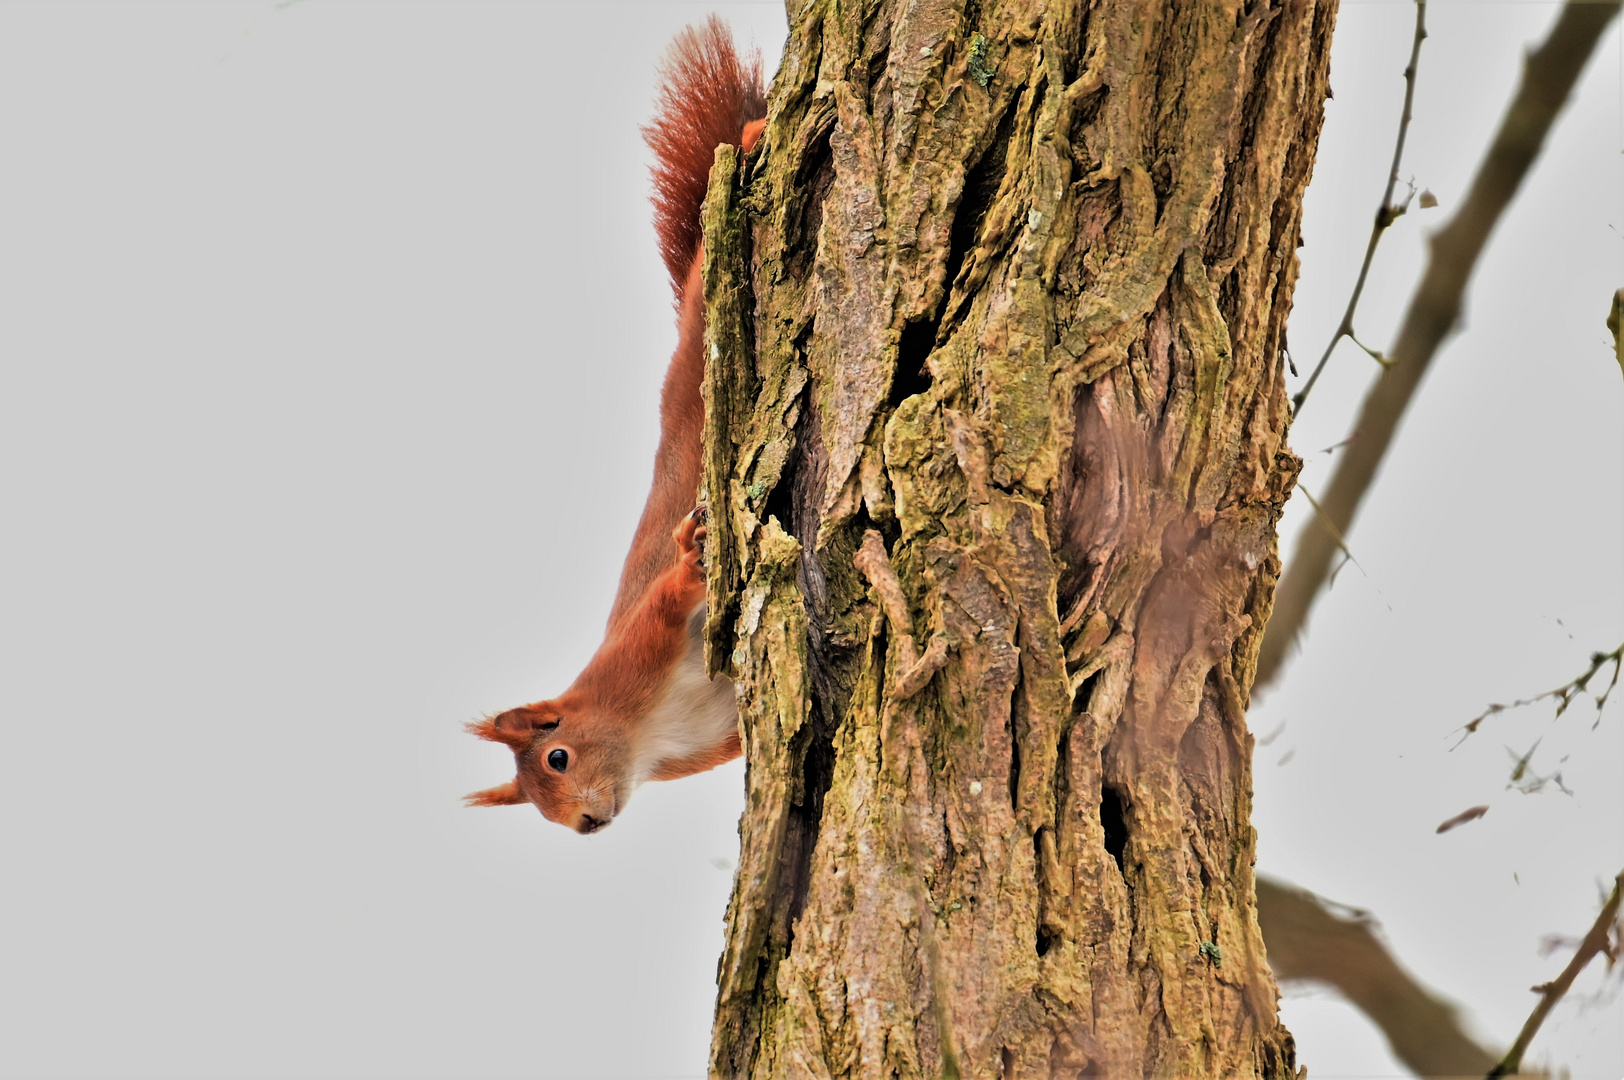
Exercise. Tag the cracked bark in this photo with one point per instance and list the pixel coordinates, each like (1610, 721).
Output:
(1005, 286)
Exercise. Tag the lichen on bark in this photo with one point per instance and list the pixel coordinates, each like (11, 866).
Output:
(995, 453)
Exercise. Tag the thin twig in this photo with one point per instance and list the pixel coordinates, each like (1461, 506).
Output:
(1599, 941)
(1330, 524)
(1339, 445)
(1549, 74)
(1387, 213)
(1563, 694)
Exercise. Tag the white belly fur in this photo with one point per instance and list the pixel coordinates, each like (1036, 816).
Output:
(694, 714)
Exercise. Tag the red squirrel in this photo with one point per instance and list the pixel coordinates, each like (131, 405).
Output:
(643, 708)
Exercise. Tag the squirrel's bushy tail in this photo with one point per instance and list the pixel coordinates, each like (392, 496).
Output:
(707, 95)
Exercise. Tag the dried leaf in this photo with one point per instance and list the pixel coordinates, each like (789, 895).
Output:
(1462, 818)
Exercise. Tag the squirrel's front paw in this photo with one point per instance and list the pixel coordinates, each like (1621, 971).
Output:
(690, 538)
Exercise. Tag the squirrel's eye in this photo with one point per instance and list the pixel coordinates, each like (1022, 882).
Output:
(558, 760)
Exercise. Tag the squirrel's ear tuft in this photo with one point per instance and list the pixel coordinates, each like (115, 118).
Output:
(514, 728)
(486, 729)
(501, 795)
(517, 726)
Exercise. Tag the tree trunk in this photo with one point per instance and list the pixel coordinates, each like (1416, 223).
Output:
(994, 460)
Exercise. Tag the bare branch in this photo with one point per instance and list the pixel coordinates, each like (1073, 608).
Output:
(1549, 74)
(1386, 213)
(1563, 694)
(1599, 941)
(1330, 524)
(1306, 940)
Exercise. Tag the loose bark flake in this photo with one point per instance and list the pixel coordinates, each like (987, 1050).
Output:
(995, 456)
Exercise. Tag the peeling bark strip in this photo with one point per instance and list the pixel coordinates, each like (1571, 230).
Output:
(995, 456)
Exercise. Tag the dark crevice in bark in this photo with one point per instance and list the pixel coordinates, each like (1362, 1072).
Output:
(1201, 869)
(1012, 729)
(1279, 1060)
(780, 505)
(981, 185)
(795, 503)
(881, 649)
(876, 72)
(815, 177)
(1162, 57)
(805, 820)
(780, 502)
(890, 529)
(1062, 781)
(1161, 184)
(806, 467)
(972, 14)
(1229, 298)
(912, 377)
(1220, 235)
(1082, 118)
(1114, 822)
(1084, 693)
(950, 852)
(1045, 940)
(874, 36)
(1070, 37)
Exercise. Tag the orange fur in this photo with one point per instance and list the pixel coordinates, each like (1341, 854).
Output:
(642, 709)
(707, 95)
(501, 795)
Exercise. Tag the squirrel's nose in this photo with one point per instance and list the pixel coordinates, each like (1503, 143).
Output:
(589, 824)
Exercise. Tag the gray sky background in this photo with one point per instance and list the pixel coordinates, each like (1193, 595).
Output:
(331, 338)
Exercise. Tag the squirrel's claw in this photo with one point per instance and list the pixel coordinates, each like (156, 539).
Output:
(691, 531)
(690, 538)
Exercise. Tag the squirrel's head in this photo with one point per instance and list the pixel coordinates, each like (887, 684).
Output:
(567, 768)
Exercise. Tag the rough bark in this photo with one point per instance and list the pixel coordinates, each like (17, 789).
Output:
(994, 458)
